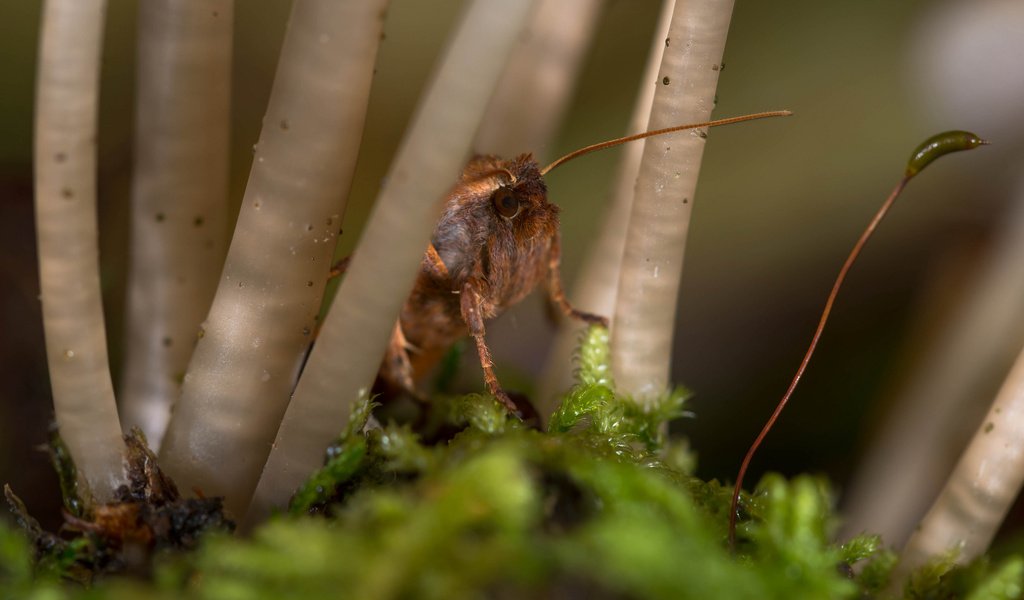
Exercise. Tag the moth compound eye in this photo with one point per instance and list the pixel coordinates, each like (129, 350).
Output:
(505, 202)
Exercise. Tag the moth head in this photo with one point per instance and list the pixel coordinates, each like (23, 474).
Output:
(514, 188)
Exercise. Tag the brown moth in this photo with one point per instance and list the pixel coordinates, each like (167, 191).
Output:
(497, 239)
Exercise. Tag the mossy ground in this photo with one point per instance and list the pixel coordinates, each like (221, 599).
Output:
(599, 506)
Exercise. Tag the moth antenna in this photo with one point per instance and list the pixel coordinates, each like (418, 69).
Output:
(499, 171)
(647, 134)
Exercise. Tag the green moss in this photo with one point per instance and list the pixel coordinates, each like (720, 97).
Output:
(944, 578)
(480, 413)
(18, 576)
(590, 507)
(597, 506)
(932, 579)
(344, 459)
(594, 400)
(15, 559)
(67, 476)
(1005, 583)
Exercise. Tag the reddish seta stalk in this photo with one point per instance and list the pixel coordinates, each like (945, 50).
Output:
(807, 355)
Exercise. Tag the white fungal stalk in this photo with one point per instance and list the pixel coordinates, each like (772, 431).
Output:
(982, 487)
(179, 198)
(656, 241)
(533, 93)
(598, 283)
(348, 352)
(259, 327)
(65, 201)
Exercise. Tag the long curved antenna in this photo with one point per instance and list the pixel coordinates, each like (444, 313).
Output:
(647, 134)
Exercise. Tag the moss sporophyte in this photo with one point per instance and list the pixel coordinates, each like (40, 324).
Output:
(934, 147)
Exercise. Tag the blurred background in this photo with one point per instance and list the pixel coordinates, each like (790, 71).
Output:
(778, 207)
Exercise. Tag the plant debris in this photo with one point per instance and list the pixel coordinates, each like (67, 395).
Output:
(148, 515)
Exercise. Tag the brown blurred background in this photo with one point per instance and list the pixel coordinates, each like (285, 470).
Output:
(778, 208)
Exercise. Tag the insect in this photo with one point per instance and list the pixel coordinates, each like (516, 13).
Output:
(497, 239)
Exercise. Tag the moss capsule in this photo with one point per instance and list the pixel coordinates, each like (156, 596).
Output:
(939, 145)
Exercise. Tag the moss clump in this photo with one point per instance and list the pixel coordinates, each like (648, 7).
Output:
(597, 506)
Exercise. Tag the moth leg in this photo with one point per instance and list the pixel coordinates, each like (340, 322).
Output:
(472, 314)
(557, 294)
(397, 366)
(432, 262)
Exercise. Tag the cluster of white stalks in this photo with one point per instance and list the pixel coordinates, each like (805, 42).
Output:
(216, 373)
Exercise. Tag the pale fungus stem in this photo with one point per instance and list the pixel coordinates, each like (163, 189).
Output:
(656, 240)
(533, 93)
(597, 284)
(355, 333)
(981, 489)
(244, 367)
(179, 199)
(67, 91)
